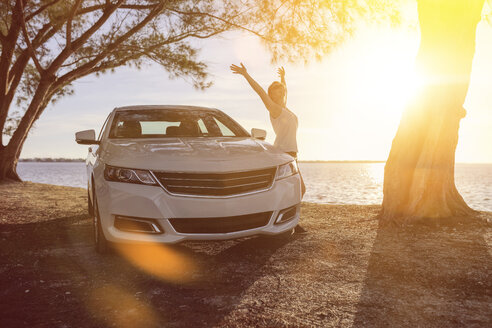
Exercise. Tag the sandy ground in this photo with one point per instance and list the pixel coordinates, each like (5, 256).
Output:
(346, 272)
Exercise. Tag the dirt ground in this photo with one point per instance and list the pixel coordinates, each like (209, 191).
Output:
(346, 272)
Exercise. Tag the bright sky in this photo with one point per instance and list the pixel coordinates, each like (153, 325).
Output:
(348, 105)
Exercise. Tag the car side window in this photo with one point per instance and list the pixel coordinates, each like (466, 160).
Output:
(226, 132)
(103, 127)
(202, 127)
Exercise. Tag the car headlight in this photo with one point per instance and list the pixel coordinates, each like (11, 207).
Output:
(287, 170)
(119, 174)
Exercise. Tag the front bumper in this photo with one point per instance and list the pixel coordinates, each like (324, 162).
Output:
(154, 202)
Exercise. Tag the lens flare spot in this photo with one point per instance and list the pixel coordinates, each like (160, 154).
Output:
(162, 261)
(118, 307)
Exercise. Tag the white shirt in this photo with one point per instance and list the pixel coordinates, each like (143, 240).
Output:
(285, 127)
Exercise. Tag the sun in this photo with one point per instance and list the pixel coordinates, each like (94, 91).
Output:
(365, 87)
(384, 79)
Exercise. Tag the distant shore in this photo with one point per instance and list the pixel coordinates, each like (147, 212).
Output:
(83, 160)
(346, 272)
(50, 160)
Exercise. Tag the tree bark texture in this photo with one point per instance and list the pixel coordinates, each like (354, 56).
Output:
(11, 153)
(419, 173)
(8, 165)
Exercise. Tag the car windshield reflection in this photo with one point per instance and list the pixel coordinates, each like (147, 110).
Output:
(174, 123)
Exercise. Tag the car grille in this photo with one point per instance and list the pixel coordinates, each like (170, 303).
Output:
(216, 184)
(221, 224)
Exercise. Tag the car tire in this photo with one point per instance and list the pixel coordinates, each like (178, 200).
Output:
(100, 241)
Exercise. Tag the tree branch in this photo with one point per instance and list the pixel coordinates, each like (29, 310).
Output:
(28, 42)
(66, 52)
(111, 47)
(138, 52)
(8, 47)
(69, 23)
(43, 35)
(90, 9)
(28, 119)
(225, 21)
(40, 10)
(19, 65)
(86, 10)
(46, 88)
(16, 71)
(78, 60)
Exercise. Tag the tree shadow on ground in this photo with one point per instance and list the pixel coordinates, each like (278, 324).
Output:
(425, 276)
(51, 276)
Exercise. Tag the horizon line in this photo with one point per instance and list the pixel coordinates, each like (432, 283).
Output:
(69, 159)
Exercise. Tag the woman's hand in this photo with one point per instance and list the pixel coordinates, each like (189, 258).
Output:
(281, 72)
(272, 107)
(239, 70)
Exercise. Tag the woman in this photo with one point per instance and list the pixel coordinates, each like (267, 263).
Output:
(284, 122)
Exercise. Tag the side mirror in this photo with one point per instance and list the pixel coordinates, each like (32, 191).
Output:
(86, 137)
(258, 133)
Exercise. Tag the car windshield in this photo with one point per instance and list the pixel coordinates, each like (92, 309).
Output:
(174, 123)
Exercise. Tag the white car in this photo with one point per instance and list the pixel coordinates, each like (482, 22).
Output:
(173, 173)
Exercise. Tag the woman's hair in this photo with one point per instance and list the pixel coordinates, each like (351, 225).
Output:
(276, 85)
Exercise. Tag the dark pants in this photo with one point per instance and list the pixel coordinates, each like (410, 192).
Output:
(303, 186)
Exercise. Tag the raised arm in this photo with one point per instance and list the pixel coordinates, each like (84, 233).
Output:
(281, 74)
(274, 109)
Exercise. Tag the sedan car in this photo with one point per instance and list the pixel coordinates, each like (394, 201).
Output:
(168, 174)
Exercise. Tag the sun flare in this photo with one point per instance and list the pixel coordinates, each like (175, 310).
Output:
(383, 80)
(364, 95)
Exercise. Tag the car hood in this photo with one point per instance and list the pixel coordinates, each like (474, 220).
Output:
(192, 154)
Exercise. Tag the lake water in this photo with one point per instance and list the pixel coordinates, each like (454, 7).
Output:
(328, 183)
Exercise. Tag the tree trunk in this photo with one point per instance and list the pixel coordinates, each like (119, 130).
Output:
(9, 155)
(8, 166)
(419, 173)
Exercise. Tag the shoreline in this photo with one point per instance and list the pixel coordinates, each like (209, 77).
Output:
(82, 160)
(346, 272)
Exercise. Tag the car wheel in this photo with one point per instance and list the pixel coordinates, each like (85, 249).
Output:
(101, 244)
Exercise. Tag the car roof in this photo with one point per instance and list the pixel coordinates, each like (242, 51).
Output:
(164, 107)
